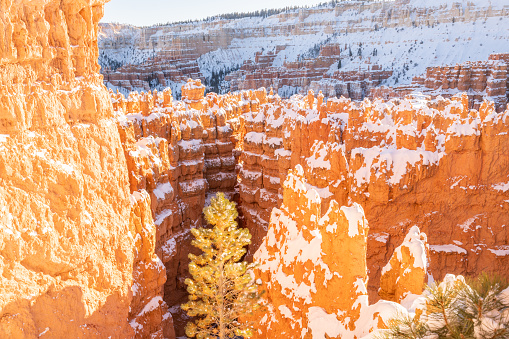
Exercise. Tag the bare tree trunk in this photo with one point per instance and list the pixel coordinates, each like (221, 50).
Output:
(221, 304)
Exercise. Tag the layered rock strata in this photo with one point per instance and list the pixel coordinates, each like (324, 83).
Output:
(314, 74)
(312, 267)
(293, 48)
(480, 80)
(149, 314)
(180, 153)
(434, 164)
(73, 247)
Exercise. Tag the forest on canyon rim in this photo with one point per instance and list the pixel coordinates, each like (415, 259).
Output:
(364, 143)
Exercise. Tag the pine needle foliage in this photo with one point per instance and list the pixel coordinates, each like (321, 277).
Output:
(459, 310)
(404, 326)
(221, 289)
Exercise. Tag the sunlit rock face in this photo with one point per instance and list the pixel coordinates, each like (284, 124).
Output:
(434, 164)
(405, 273)
(70, 250)
(181, 153)
(96, 200)
(312, 269)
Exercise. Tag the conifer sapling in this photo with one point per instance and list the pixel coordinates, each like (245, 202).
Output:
(221, 289)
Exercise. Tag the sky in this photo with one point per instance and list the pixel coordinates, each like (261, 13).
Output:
(149, 12)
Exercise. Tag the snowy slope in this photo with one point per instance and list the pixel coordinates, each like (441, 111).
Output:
(401, 35)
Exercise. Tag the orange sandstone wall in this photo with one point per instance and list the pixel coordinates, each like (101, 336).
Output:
(181, 153)
(73, 242)
(433, 164)
(312, 267)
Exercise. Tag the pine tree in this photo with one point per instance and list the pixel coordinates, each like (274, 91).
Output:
(459, 310)
(221, 289)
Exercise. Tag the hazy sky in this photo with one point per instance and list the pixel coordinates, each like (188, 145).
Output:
(148, 12)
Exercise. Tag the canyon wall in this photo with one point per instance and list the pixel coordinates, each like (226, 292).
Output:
(413, 164)
(312, 269)
(480, 80)
(74, 243)
(181, 153)
(98, 192)
(433, 164)
(345, 48)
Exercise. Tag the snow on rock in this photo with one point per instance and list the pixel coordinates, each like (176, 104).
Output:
(355, 217)
(400, 148)
(149, 272)
(405, 154)
(406, 271)
(305, 272)
(503, 187)
(321, 323)
(313, 270)
(162, 190)
(500, 251)
(450, 248)
(303, 46)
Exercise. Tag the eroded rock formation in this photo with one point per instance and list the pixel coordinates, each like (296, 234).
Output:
(312, 267)
(343, 48)
(97, 201)
(406, 271)
(72, 245)
(434, 164)
(181, 154)
(480, 80)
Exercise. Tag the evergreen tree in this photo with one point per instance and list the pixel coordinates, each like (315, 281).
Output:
(221, 289)
(458, 310)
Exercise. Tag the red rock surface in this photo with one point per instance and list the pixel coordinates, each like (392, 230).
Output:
(95, 215)
(406, 162)
(480, 80)
(312, 269)
(406, 272)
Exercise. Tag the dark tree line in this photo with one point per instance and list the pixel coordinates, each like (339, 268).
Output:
(106, 62)
(255, 14)
(213, 83)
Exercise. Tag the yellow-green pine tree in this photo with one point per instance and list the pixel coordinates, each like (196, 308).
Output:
(221, 289)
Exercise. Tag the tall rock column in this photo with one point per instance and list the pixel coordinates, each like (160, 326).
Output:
(67, 247)
(406, 272)
(307, 276)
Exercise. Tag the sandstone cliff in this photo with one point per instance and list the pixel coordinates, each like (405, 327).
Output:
(312, 267)
(406, 271)
(181, 154)
(480, 80)
(345, 48)
(68, 231)
(434, 164)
